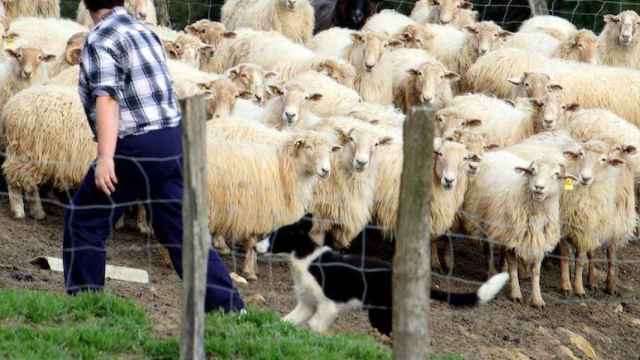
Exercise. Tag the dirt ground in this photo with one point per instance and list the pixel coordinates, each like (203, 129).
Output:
(599, 326)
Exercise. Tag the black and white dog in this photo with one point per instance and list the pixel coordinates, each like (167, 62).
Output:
(327, 283)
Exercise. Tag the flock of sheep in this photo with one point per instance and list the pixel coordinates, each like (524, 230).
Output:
(537, 130)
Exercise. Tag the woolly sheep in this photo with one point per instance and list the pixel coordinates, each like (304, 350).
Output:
(279, 177)
(334, 41)
(291, 107)
(209, 32)
(185, 48)
(336, 99)
(446, 12)
(424, 12)
(580, 46)
(619, 42)
(53, 40)
(536, 42)
(143, 10)
(387, 116)
(293, 18)
(343, 202)
(555, 26)
(252, 80)
(26, 67)
(388, 21)
(42, 8)
(515, 203)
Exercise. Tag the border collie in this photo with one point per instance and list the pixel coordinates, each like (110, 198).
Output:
(327, 283)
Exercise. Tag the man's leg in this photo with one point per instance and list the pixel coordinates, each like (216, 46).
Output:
(166, 217)
(88, 221)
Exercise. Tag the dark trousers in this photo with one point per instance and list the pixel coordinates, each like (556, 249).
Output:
(148, 167)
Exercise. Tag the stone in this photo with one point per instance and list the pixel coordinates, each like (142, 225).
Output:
(564, 353)
(238, 280)
(256, 299)
(580, 343)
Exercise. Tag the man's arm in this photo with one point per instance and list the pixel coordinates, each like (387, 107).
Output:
(107, 133)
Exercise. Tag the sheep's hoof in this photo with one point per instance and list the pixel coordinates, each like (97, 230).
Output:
(18, 215)
(538, 303)
(119, 224)
(39, 215)
(567, 292)
(437, 268)
(612, 291)
(581, 294)
(250, 276)
(592, 287)
(516, 298)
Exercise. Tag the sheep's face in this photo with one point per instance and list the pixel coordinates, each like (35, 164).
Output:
(486, 36)
(447, 121)
(289, 4)
(222, 97)
(445, 11)
(429, 80)
(448, 162)
(416, 37)
(341, 72)
(625, 25)
(139, 8)
(174, 51)
(210, 32)
(189, 48)
(29, 60)
(371, 46)
(543, 178)
(585, 47)
(359, 146)
(592, 162)
(476, 145)
(74, 48)
(534, 85)
(551, 111)
(294, 102)
(312, 153)
(251, 80)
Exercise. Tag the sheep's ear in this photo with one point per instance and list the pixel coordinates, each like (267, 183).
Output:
(189, 29)
(554, 87)
(204, 86)
(517, 81)
(48, 57)
(11, 52)
(299, 144)
(491, 146)
(536, 102)
(510, 102)
(374, 122)
(629, 149)
(451, 76)
(571, 107)
(229, 34)
(385, 141)
(472, 122)
(343, 136)
(611, 19)
(616, 162)
(74, 56)
(233, 72)
(466, 5)
(394, 43)
(472, 29)
(276, 90)
(414, 72)
(357, 37)
(271, 74)
(505, 33)
(336, 148)
(315, 97)
(523, 171)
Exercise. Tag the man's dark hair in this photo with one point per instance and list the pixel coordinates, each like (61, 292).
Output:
(95, 5)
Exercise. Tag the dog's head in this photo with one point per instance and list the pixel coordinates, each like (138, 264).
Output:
(291, 239)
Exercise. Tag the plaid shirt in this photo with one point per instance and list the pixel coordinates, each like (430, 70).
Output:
(125, 60)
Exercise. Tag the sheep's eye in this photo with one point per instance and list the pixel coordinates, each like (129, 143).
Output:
(202, 31)
(603, 160)
(526, 84)
(439, 119)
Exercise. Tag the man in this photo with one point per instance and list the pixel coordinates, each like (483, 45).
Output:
(126, 91)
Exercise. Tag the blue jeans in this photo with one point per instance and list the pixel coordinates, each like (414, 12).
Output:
(148, 167)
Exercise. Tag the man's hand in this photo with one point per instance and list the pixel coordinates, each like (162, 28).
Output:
(105, 175)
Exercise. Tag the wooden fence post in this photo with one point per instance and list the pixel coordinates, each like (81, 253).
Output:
(162, 9)
(538, 7)
(411, 263)
(196, 238)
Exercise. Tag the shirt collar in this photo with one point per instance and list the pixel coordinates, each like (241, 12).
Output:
(118, 10)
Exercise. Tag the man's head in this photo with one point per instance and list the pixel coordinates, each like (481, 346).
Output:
(96, 5)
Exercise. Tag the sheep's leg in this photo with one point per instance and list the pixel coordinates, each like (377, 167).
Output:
(536, 294)
(489, 253)
(565, 276)
(435, 259)
(142, 223)
(611, 268)
(448, 253)
(592, 279)
(120, 223)
(16, 202)
(325, 315)
(581, 260)
(37, 211)
(300, 314)
(250, 259)
(220, 244)
(523, 270)
(515, 294)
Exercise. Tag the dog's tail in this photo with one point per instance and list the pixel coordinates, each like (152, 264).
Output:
(485, 293)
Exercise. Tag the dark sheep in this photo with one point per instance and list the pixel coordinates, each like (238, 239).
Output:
(351, 14)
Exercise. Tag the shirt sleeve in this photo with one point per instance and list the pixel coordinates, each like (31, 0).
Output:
(104, 72)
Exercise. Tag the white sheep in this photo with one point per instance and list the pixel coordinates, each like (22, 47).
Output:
(290, 107)
(143, 10)
(336, 99)
(280, 178)
(26, 67)
(53, 40)
(516, 204)
(185, 48)
(42, 8)
(293, 18)
(388, 21)
(580, 46)
(334, 41)
(619, 41)
(425, 11)
(555, 26)
(539, 43)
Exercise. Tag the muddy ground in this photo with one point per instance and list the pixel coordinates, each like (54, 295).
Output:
(599, 326)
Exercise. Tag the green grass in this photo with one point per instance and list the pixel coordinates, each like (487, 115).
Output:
(40, 325)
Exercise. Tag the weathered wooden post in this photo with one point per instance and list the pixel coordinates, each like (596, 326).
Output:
(196, 237)
(411, 263)
(162, 10)
(538, 7)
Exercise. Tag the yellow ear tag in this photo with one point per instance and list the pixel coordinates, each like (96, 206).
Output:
(568, 184)
(10, 41)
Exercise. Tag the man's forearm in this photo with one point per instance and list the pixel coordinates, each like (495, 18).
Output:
(107, 119)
